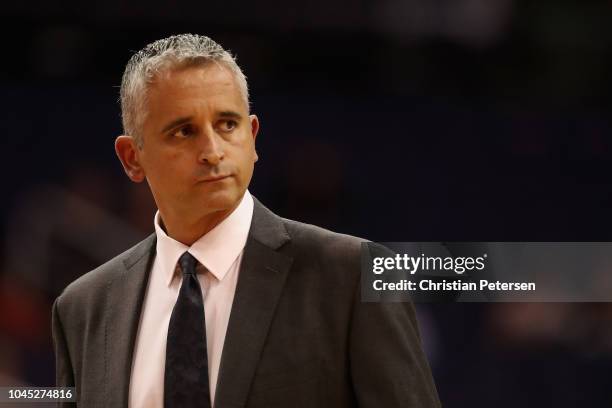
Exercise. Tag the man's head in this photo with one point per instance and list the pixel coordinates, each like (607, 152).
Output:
(188, 131)
(160, 56)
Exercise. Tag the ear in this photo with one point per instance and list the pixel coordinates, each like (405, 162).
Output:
(127, 152)
(254, 130)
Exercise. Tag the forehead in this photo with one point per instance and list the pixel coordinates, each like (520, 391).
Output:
(211, 86)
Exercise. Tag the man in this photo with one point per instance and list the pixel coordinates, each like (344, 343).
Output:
(226, 304)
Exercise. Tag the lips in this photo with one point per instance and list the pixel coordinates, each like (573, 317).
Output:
(215, 178)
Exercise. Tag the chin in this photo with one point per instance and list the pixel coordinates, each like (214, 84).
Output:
(221, 200)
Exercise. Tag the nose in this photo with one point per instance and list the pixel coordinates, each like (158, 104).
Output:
(210, 148)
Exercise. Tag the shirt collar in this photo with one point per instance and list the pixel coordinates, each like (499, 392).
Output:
(216, 250)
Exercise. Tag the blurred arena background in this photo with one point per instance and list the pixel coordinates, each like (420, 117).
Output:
(394, 120)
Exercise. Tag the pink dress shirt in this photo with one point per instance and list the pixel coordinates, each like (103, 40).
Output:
(220, 251)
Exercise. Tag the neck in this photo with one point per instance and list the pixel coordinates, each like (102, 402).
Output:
(189, 232)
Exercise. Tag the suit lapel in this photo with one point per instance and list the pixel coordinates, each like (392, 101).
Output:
(260, 283)
(126, 294)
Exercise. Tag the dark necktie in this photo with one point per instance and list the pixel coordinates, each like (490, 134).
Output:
(186, 375)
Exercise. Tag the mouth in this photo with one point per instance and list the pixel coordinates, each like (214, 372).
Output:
(214, 179)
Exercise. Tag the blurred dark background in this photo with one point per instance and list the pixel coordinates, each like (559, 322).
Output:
(394, 120)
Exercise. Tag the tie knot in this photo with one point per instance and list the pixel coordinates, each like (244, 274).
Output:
(188, 264)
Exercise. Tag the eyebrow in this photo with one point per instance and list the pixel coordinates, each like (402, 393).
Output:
(176, 122)
(187, 119)
(230, 114)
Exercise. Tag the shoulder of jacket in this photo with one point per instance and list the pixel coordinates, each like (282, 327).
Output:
(321, 240)
(96, 281)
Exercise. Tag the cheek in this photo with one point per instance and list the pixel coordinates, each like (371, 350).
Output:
(165, 171)
(248, 157)
(249, 149)
(243, 151)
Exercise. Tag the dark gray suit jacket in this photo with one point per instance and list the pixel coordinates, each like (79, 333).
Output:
(298, 334)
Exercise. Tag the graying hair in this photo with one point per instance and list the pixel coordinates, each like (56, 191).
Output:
(162, 55)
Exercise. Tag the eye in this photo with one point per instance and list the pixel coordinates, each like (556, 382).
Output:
(228, 125)
(184, 132)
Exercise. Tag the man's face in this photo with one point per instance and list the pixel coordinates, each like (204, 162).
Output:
(198, 147)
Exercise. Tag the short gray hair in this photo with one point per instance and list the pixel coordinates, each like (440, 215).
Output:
(162, 55)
